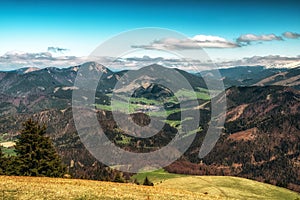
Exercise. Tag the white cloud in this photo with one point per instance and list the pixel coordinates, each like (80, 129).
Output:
(196, 42)
(291, 35)
(204, 38)
(15, 60)
(57, 49)
(210, 41)
(248, 38)
(271, 61)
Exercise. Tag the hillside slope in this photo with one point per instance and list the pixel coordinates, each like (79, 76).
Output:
(179, 188)
(290, 78)
(261, 137)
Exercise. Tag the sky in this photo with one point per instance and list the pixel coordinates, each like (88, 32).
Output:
(65, 32)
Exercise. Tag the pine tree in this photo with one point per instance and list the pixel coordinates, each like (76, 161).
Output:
(147, 182)
(36, 155)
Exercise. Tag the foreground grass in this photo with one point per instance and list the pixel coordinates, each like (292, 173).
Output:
(168, 186)
(226, 187)
(230, 187)
(55, 188)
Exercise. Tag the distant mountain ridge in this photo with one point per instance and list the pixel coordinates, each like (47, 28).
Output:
(234, 76)
(256, 75)
(38, 89)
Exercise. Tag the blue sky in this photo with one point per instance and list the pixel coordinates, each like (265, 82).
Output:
(80, 26)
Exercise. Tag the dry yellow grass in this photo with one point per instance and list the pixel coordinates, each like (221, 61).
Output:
(55, 188)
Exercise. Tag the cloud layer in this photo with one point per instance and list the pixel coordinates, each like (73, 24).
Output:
(249, 38)
(291, 35)
(57, 50)
(56, 57)
(271, 61)
(196, 42)
(15, 60)
(209, 41)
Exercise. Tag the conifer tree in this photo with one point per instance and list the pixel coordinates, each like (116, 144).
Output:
(36, 155)
(147, 182)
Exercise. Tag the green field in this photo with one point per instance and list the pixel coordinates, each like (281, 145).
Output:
(133, 105)
(7, 151)
(230, 187)
(121, 102)
(190, 95)
(156, 176)
(226, 187)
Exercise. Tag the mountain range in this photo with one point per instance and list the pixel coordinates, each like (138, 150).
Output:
(260, 139)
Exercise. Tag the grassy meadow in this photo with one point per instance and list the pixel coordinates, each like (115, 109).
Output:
(29, 188)
(166, 186)
(225, 187)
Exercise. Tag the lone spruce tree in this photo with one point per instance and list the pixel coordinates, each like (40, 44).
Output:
(147, 182)
(36, 155)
